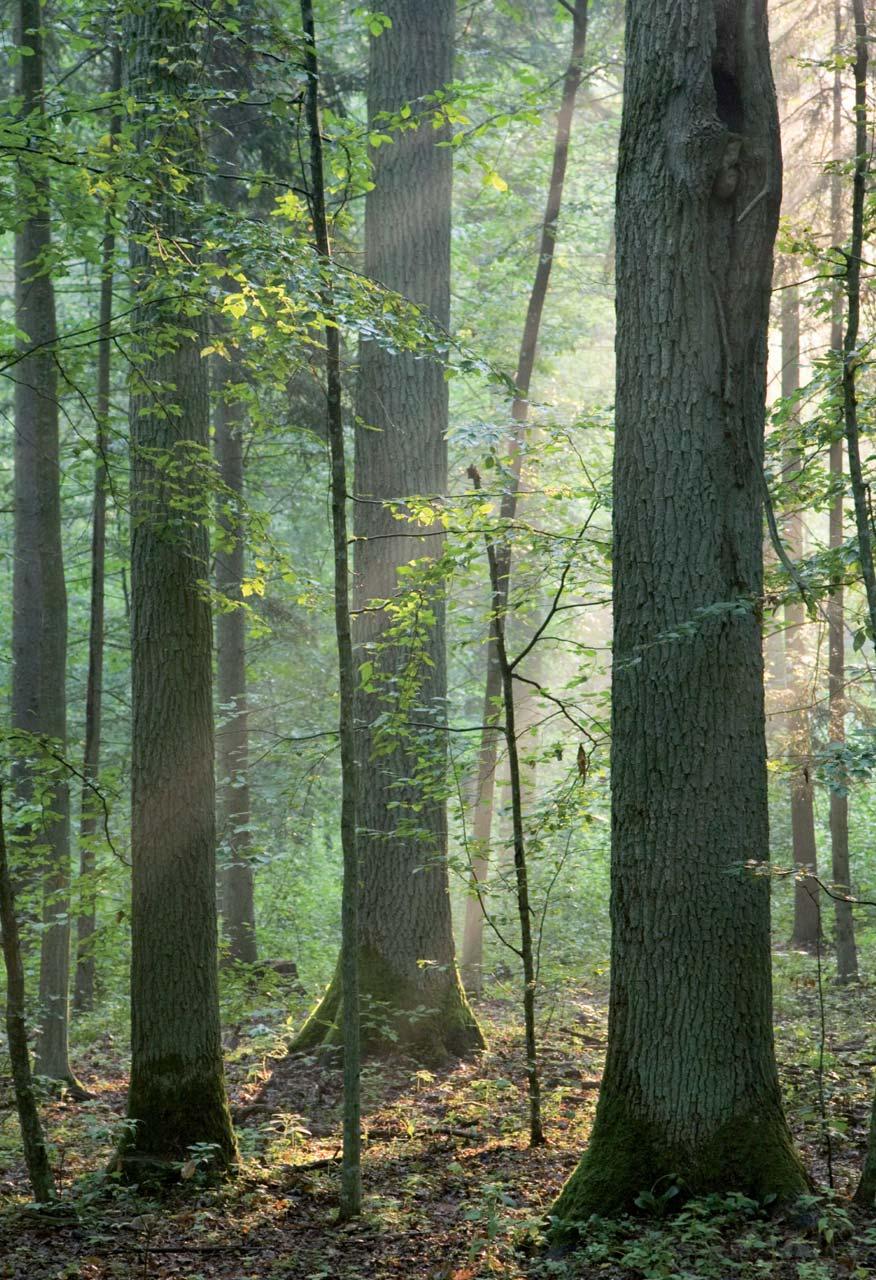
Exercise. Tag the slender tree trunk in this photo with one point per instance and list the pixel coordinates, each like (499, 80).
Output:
(34, 1143)
(526, 952)
(410, 987)
(39, 622)
(690, 1091)
(234, 122)
(473, 936)
(846, 949)
(90, 811)
(351, 1177)
(232, 755)
(807, 910)
(177, 1089)
(860, 489)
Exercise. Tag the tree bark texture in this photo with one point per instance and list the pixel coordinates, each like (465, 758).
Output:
(690, 1090)
(473, 936)
(806, 933)
(177, 1091)
(844, 923)
(411, 991)
(32, 1138)
(39, 613)
(91, 809)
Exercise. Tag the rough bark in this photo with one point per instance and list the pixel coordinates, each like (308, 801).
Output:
(410, 987)
(351, 1176)
(473, 935)
(39, 610)
(32, 1138)
(844, 923)
(177, 1090)
(690, 1089)
(806, 933)
(90, 809)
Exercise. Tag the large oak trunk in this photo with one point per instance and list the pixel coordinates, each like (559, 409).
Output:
(177, 1092)
(690, 1089)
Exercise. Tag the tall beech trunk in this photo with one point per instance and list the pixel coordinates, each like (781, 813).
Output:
(32, 1139)
(39, 609)
(177, 1090)
(690, 1090)
(807, 911)
(351, 1177)
(473, 936)
(410, 987)
(844, 923)
(90, 810)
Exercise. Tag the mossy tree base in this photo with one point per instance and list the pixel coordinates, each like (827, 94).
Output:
(397, 1016)
(170, 1113)
(752, 1154)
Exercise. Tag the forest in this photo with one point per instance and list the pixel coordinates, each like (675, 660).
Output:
(438, 582)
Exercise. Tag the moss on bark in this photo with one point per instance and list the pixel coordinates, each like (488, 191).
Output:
(396, 1015)
(170, 1110)
(628, 1156)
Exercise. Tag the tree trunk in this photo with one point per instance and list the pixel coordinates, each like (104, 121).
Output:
(473, 936)
(807, 909)
(350, 1201)
(39, 616)
(32, 1139)
(91, 810)
(232, 754)
(846, 949)
(410, 987)
(236, 120)
(177, 1090)
(690, 1092)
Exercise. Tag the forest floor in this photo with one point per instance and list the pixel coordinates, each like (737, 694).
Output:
(451, 1190)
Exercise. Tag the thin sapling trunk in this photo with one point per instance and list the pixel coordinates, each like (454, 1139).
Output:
(351, 1176)
(473, 937)
(32, 1138)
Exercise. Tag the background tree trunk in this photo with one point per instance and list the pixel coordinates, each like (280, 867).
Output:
(482, 809)
(232, 739)
(32, 1138)
(39, 611)
(177, 1090)
(807, 908)
(690, 1089)
(232, 754)
(846, 949)
(410, 988)
(91, 809)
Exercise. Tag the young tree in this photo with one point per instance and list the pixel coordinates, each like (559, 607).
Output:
(473, 937)
(807, 910)
(90, 808)
(177, 1089)
(229, 422)
(351, 1176)
(408, 970)
(35, 1154)
(690, 1089)
(846, 949)
(39, 610)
